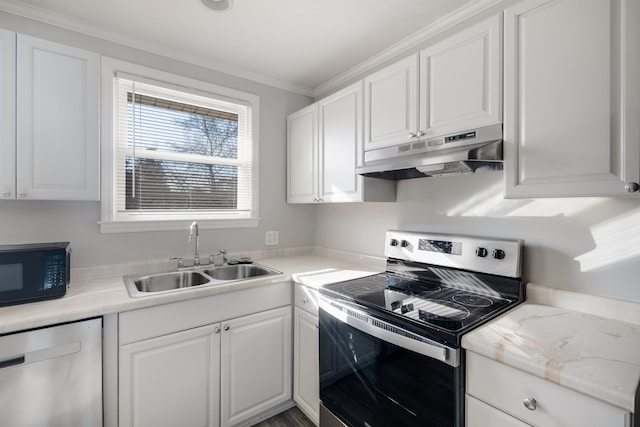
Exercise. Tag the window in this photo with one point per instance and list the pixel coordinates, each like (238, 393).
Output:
(178, 153)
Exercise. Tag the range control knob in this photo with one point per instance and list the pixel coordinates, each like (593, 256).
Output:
(405, 243)
(498, 254)
(393, 242)
(481, 252)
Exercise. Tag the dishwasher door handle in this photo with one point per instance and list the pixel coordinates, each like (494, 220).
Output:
(7, 363)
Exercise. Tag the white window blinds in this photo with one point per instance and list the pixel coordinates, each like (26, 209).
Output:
(180, 153)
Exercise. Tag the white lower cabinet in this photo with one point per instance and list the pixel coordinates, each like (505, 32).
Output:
(171, 380)
(501, 396)
(176, 371)
(306, 387)
(256, 364)
(306, 384)
(479, 414)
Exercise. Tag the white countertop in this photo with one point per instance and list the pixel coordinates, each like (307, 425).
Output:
(100, 291)
(588, 344)
(555, 335)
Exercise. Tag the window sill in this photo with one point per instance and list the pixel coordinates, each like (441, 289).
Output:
(172, 225)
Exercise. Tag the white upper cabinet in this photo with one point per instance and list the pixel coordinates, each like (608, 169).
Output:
(572, 96)
(340, 145)
(391, 104)
(453, 85)
(324, 144)
(7, 114)
(461, 80)
(302, 163)
(57, 136)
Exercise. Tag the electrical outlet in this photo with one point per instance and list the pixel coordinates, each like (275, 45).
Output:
(271, 238)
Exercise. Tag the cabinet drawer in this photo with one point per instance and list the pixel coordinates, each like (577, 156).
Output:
(479, 414)
(506, 388)
(306, 298)
(165, 319)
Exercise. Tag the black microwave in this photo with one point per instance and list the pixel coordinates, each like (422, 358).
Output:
(33, 272)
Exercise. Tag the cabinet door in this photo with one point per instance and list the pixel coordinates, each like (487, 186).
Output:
(7, 114)
(255, 364)
(172, 380)
(302, 164)
(306, 386)
(57, 117)
(391, 104)
(340, 145)
(461, 80)
(571, 97)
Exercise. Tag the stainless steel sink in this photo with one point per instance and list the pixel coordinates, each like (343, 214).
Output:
(238, 271)
(180, 280)
(167, 281)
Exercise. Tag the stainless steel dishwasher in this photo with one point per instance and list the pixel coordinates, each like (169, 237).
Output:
(52, 376)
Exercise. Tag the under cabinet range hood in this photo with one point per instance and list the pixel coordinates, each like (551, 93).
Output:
(469, 151)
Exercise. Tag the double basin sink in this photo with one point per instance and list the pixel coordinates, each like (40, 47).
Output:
(179, 280)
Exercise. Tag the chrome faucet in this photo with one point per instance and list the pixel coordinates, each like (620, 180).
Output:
(193, 229)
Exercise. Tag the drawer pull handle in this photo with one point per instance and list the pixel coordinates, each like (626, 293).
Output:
(530, 403)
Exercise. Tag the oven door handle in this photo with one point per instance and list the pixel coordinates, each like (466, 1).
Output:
(389, 332)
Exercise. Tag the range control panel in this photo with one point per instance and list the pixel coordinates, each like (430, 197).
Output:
(486, 255)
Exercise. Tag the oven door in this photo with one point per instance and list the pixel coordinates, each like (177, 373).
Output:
(377, 375)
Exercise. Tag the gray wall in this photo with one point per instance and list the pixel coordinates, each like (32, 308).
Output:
(40, 221)
(589, 245)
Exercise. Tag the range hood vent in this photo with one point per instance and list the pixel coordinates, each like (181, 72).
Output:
(471, 151)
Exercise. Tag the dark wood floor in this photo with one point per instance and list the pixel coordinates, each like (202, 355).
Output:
(290, 418)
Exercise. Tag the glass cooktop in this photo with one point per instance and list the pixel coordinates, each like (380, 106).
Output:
(442, 303)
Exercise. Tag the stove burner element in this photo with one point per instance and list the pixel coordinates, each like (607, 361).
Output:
(472, 300)
(360, 289)
(423, 288)
(442, 310)
(366, 286)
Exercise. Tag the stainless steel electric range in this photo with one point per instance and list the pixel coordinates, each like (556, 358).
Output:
(390, 350)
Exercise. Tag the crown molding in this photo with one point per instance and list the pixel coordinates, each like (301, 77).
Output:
(48, 17)
(465, 12)
(65, 22)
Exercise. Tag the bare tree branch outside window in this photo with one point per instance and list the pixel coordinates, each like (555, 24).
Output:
(165, 184)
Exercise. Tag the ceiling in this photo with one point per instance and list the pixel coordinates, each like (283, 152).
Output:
(298, 44)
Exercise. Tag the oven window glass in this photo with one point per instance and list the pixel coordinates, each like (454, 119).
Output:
(11, 277)
(367, 381)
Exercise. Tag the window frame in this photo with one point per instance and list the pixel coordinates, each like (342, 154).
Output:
(113, 221)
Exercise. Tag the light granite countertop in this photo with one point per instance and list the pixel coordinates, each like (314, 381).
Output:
(100, 291)
(586, 343)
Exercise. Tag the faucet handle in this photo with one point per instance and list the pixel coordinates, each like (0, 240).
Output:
(180, 261)
(219, 258)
